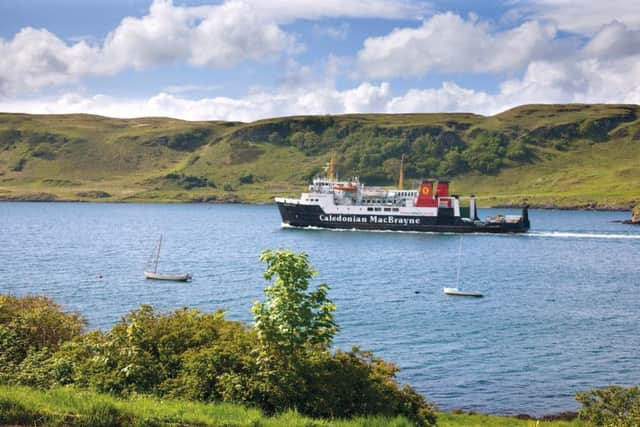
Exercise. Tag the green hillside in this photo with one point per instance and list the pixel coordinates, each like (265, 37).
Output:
(555, 155)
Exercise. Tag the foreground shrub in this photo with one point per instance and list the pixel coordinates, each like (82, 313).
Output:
(611, 407)
(355, 383)
(283, 363)
(153, 353)
(31, 328)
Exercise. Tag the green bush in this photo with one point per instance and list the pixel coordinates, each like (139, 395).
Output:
(486, 152)
(186, 141)
(596, 130)
(283, 362)
(18, 165)
(189, 140)
(9, 138)
(189, 181)
(452, 164)
(30, 328)
(355, 383)
(246, 179)
(36, 370)
(610, 407)
(43, 151)
(518, 151)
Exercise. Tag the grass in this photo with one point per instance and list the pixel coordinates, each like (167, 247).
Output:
(65, 406)
(92, 158)
(461, 420)
(599, 175)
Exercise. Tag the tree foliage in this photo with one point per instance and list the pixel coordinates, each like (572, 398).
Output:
(31, 326)
(283, 362)
(613, 406)
(291, 318)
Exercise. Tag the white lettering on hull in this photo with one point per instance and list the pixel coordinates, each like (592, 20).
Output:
(371, 219)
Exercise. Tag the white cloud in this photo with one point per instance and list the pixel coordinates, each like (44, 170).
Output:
(162, 36)
(233, 33)
(191, 88)
(585, 16)
(322, 99)
(447, 42)
(614, 40)
(214, 36)
(587, 81)
(607, 69)
(561, 81)
(450, 97)
(36, 58)
(540, 67)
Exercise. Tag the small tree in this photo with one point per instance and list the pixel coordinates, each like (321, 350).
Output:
(291, 318)
(294, 326)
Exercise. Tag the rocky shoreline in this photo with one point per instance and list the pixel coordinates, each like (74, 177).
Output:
(234, 199)
(635, 217)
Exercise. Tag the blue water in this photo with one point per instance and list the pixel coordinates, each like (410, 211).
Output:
(561, 312)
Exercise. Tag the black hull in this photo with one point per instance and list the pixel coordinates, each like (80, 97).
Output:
(299, 215)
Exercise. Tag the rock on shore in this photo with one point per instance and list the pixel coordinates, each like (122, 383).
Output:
(635, 216)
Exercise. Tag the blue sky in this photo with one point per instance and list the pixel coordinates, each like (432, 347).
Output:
(251, 59)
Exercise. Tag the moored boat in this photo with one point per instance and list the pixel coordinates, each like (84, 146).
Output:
(181, 277)
(173, 277)
(458, 293)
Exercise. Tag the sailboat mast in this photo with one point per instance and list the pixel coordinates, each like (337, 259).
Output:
(459, 263)
(155, 270)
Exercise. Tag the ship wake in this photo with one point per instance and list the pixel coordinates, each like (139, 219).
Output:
(580, 235)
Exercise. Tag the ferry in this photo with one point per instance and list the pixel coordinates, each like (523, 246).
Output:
(336, 204)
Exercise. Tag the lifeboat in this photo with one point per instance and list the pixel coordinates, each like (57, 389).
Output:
(345, 187)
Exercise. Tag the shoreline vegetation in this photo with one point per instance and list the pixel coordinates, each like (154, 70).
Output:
(191, 368)
(575, 156)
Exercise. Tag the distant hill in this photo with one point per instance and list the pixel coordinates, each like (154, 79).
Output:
(555, 155)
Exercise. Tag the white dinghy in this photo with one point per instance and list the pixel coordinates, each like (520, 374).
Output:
(455, 291)
(173, 277)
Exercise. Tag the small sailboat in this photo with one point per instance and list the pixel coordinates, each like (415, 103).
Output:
(455, 291)
(154, 275)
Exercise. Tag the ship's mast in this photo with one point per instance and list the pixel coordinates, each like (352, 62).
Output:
(401, 177)
(331, 171)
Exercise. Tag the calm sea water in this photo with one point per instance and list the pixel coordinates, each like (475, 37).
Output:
(561, 313)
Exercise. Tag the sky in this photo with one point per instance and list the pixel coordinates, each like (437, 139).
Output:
(246, 60)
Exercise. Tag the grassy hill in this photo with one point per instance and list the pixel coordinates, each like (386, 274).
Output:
(555, 155)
